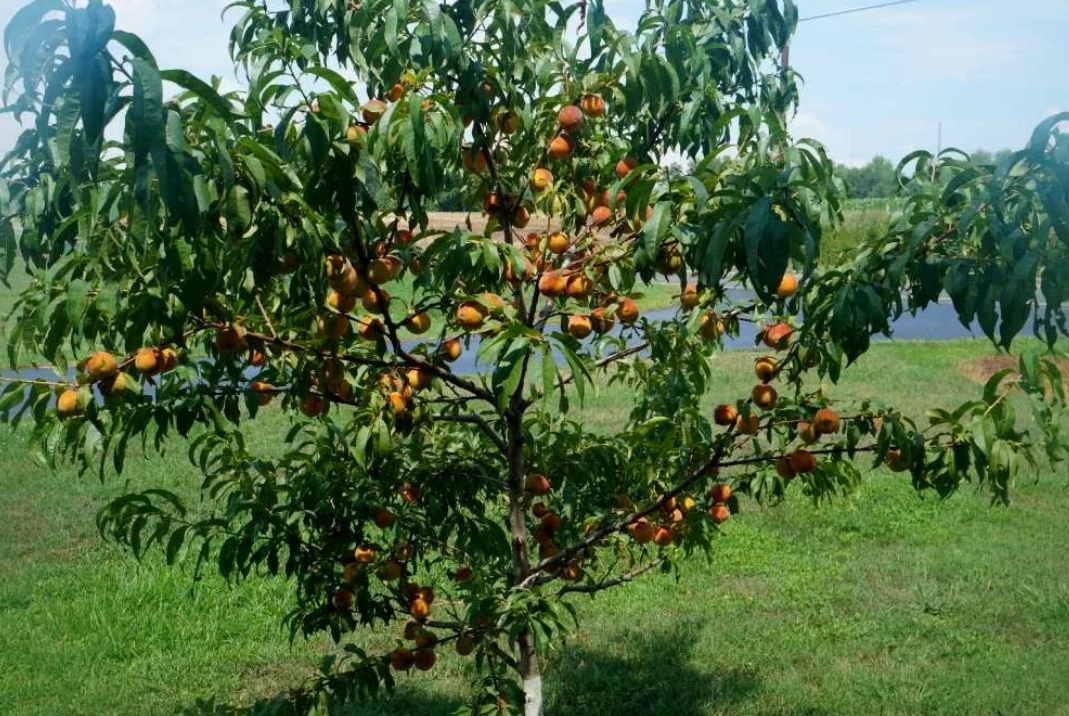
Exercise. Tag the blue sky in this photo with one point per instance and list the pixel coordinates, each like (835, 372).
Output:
(877, 82)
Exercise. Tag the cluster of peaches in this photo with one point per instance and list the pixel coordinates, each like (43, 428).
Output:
(391, 567)
(101, 368)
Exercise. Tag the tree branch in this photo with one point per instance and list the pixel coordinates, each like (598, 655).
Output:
(480, 422)
(609, 583)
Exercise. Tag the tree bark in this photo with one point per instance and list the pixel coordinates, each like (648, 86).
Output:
(531, 675)
(528, 667)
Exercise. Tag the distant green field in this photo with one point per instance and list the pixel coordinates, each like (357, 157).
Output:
(887, 603)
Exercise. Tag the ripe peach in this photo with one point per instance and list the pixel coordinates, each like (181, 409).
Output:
(784, 469)
(374, 110)
(332, 327)
(748, 426)
(601, 215)
(711, 326)
(778, 336)
(807, 432)
(541, 179)
(561, 147)
(570, 119)
(802, 461)
(398, 404)
(410, 493)
(375, 300)
(418, 323)
(552, 284)
(101, 365)
(725, 415)
(67, 403)
(788, 286)
(401, 659)
(602, 320)
(558, 242)
(641, 530)
(719, 514)
(764, 396)
(689, 297)
(264, 391)
(765, 368)
(627, 311)
(572, 572)
(355, 136)
(463, 574)
(341, 302)
(721, 492)
(424, 659)
(148, 361)
(521, 217)
(471, 315)
(370, 328)
(539, 510)
(624, 166)
(580, 327)
(419, 608)
(547, 549)
(507, 122)
(342, 600)
(312, 405)
(592, 105)
(418, 378)
(826, 421)
(256, 359)
(452, 349)
(465, 645)
(170, 359)
(896, 461)
(383, 517)
(580, 286)
(663, 536)
(364, 554)
(551, 521)
(537, 485)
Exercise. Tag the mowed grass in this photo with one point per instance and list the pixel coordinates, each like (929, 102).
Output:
(886, 603)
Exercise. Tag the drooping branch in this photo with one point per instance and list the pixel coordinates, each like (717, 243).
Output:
(609, 583)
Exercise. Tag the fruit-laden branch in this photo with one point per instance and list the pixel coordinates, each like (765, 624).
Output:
(391, 326)
(298, 348)
(479, 421)
(716, 462)
(597, 535)
(609, 583)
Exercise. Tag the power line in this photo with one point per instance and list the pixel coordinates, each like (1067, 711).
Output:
(858, 9)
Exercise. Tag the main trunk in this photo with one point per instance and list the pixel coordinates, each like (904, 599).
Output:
(530, 673)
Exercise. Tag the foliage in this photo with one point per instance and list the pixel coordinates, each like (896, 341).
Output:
(221, 244)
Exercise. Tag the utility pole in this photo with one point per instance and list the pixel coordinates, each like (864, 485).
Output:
(938, 150)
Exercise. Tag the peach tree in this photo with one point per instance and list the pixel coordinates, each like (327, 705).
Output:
(209, 256)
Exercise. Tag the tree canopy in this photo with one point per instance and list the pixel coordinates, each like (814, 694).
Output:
(204, 254)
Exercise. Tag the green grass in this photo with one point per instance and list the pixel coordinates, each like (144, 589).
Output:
(889, 602)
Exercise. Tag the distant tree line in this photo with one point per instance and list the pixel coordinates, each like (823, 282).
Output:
(876, 180)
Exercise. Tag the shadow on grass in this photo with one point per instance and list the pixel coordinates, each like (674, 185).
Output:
(639, 673)
(642, 673)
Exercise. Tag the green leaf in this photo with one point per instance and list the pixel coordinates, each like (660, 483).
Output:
(338, 83)
(202, 90)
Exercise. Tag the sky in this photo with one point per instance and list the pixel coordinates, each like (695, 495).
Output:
(877, 82)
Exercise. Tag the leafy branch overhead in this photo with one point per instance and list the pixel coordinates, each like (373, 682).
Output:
(205, 255)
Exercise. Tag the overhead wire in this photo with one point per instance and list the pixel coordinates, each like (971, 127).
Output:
(857, 9)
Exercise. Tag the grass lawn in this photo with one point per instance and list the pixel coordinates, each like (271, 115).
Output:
(887, 603)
